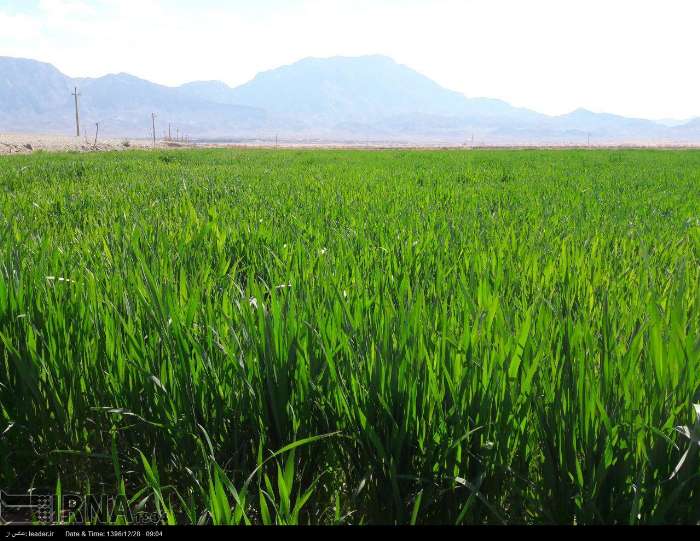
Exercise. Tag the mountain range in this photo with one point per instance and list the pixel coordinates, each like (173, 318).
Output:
(330, 99)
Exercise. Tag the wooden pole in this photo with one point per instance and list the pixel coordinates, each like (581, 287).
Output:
(97, 131)
(153, 119)
(77, 113)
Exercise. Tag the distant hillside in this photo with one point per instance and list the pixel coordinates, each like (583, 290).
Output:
(33, 95)
(340, 98)
(37, 97)
(211, 91)
(360, 89)
(689, 131)
(29, 87)
(118, 99)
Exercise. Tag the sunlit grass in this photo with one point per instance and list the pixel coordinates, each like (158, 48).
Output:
(290, 337)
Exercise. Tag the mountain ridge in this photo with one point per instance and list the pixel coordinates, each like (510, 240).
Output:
(339, 97)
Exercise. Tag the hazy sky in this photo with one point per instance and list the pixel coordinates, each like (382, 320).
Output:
(631, 57)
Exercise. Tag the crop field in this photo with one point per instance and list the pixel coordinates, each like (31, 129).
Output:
(354, 337)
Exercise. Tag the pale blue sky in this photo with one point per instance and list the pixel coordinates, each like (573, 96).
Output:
(632, 57)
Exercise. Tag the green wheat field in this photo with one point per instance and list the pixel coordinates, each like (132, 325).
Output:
(355, 337)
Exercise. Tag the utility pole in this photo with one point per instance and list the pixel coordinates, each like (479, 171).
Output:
(169, 138)
(77, 114)
(97, 131)
(153, 119)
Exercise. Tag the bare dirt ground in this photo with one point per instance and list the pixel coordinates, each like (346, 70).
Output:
(23, 143)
